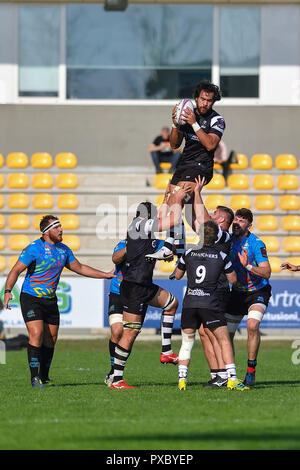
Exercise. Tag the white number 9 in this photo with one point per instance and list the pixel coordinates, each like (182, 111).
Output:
(200, 273)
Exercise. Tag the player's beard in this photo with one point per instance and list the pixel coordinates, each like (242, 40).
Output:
(237, 231)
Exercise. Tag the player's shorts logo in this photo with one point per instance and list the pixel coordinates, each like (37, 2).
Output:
(30, 314)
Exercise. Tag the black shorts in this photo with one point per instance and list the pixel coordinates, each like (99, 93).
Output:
(189, 174)
(240, 302)
(115, 305)
(135, 297)
(195, 317)
(224, 299)
(39, 308)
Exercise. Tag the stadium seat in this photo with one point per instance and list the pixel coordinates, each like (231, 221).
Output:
(217, 182)
(295, 260)
(42, 181)
(18, 201)
(1, 201)
(272, 243)
(72, 241)
(18, 242)
(41, 160)
(214, 200)
(65, 160)
(2, 263)
(287, 182)
(1, 160)
(17, 181)
(261, 161)
(12, 261)
(68, 181)
(242, 162)
(159, 200)
(165, 166)
(2, 242)
(2, 221)
(36, 221)
(291, 244)
(217, 166)
(192, 238)
(238, 181)
(67, 201)
(275, 264)
(264, 202)
(263, 181)
(18, 222)
(167, 267)
(286, 161)
(17, 160)
(267, 223)
(237, 201)
(69, 221)
(42, 201)
(289, 202)
(290, 222)
(1, 181)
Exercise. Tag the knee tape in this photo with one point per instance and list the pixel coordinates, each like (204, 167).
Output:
(187, 344)
(170, 302)
(115, 318)
(255, 315)
(133, 325)
(233, 322)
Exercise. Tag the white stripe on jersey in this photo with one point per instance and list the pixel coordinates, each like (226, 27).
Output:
(224, 256)
(214, 123)
(223, 236)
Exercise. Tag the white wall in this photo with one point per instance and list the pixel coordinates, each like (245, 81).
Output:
(8, 51)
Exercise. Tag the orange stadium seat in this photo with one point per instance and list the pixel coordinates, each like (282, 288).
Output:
(291, 243)
(42, 201)
(17, 160)
(217, 166)
(18, 242)
(289, 202)
(286, 161)
(41, 160)
(18, 201)
(242, 162)
(18, 222)
(1, 180)
(287, 182)
(65, 160)
(42, 181)
(267, 223)
(217, 182)
(1, 201)
(67, 181)
(1, 160)
(290, 222)
(69, 221)
(275, 264)
(264, 202)
(214, 200)
(72, 241)
(165, 166)
(261, 161)
(263, 181)
(2, 263)
(17, 181)
(272, 243)
(2, 221)
(67, 201)
(2, 242)
(237, 201)
(238, 181)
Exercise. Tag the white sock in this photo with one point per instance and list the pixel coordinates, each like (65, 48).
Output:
(182, 372)
(231, 371)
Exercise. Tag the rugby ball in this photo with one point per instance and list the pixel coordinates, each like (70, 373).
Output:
(180, 108)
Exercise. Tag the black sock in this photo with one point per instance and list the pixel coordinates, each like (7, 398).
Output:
(34, 357)
(46, 359)
(112, 346)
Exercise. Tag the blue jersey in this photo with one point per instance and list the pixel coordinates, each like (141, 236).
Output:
(45, 263)
(257, 253)
(119, 270)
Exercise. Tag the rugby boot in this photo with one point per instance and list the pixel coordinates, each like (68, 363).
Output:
(169, 358)
(108, 379)
(182, 384)
(48, 382)
(217, 382)
(120, 385)
(236, 385)
(162, 254)
(249, 380)
(37, 383)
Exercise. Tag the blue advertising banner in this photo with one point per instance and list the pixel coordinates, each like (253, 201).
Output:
(283, 310)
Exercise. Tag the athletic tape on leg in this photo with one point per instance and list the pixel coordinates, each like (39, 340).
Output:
(255, 315)
(187, 343)
(115, 318)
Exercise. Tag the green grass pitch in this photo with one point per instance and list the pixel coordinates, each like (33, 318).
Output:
(81, 413)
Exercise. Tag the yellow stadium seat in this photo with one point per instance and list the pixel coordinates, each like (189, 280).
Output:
(289, 202)
(263, 181)
(69, 221)
(72, 241)
(295, 260)
(17, 160)
(42, 201)
(41, 160)
(242, 162)
(18, 201)
(12, 261)
(1, 201)
(290, 222)
(275, 264)
(67, 201)
(67, 181)
(267, 223)
(192, 238)
(65, 160)
(1, 160)
(36, 221)
(2, 221)
(165, 166)
(167, 267)
(287, 182)
(238, 181)
(272, 243)
(1, 181)
(159, 200)
(2, 242)
(42, 181)
(161, 180)
(237, 201)
(217, 182)
(2, 263)
(18, 222)
(261, 161)
(18, 242)
(217, 166)
(291, 244)
(264, 202)
(214, 200)
(17, 181)
(286, 161)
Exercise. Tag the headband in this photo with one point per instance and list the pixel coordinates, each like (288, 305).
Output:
(52, 225)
